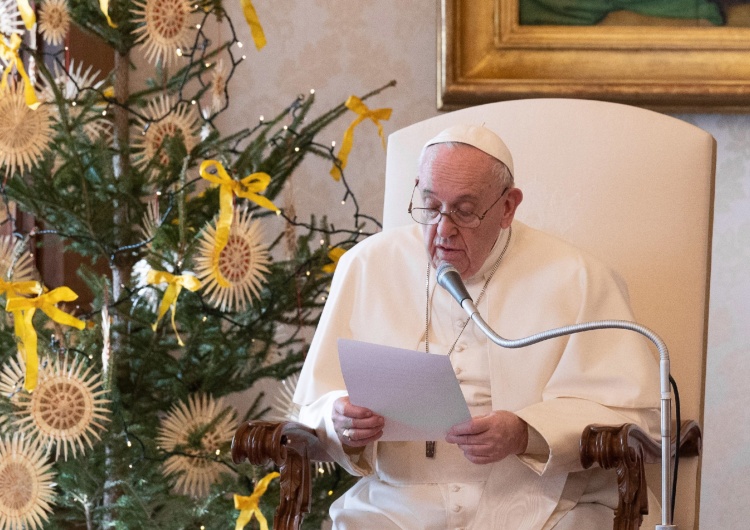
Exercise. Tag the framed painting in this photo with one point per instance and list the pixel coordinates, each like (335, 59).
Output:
(667, 55)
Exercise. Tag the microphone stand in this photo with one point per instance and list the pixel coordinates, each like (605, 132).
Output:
(458, 291)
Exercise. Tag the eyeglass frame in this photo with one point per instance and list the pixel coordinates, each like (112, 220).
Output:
(449, 213)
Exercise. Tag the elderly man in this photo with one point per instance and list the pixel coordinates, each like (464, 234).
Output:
(515, 464)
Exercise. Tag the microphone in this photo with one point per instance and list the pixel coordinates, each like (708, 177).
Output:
(449, 279)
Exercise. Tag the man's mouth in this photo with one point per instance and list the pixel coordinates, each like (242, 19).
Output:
(447, 250)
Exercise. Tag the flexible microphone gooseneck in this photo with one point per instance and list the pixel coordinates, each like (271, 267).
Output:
(450, 280)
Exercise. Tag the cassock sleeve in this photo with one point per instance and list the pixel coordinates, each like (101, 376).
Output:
(604, 376)
(321, 382)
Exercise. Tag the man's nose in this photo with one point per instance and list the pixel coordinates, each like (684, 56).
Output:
(446, 226)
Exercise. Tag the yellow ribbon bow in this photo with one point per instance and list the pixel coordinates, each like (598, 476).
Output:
(14, 289)
(334, 255)
(9, 52)
(256, 30)
(27, 14)
(175, 285)
(247, 188)
(355, 104)
(104, 6)
(25, 328)
(249, 506)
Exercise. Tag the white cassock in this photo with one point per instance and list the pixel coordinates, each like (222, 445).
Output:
(558, 386)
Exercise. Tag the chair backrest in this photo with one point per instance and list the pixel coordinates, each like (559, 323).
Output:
(631, 186)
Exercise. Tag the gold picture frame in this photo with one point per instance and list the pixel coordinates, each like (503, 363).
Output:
(485, 55)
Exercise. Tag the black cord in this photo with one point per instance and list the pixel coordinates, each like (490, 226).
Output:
(677, 443)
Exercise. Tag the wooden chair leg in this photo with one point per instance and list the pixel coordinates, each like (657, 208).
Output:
(288, 445)
(626, 449)
(608, 447)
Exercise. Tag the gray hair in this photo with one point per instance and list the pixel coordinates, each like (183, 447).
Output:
(498, 170)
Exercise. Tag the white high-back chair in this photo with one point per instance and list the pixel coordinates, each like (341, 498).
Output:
(631, 186)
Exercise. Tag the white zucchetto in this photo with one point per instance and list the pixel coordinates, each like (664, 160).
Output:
(477, 136)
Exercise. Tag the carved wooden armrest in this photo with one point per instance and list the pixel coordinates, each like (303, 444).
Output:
(290, 446)
(627, 448)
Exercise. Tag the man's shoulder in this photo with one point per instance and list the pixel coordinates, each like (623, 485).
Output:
(391, 242)
(538, 241)
(549, 251)
(550, 248)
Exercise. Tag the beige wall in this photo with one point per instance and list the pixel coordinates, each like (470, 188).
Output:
(342, 47)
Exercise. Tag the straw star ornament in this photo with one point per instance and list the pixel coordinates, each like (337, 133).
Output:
(25, 134)
(219, 80)
(16, 262)
(242, 265)
(165, 119)
(54, 21)
(165, 28)
(67, 409)
(197, 430)
(72, 85)
(10, 18)
(26, 487)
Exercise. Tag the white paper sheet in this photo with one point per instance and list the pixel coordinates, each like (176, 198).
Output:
(416, 392)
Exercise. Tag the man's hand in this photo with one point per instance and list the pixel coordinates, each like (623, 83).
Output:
(356, 426)
(490, 438)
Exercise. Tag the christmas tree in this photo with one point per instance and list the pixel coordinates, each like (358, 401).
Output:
(203, 280)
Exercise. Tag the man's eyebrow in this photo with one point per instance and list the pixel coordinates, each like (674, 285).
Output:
(465, 197)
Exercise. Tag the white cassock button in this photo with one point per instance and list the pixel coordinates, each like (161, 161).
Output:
(461, 347)
(456, 508)
(457, 370)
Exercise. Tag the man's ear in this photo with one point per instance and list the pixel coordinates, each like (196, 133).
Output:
(511, 202)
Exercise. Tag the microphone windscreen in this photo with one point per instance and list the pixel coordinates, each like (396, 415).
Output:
(449, 279)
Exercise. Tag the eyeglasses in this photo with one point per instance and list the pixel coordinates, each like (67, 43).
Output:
(432, 216)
